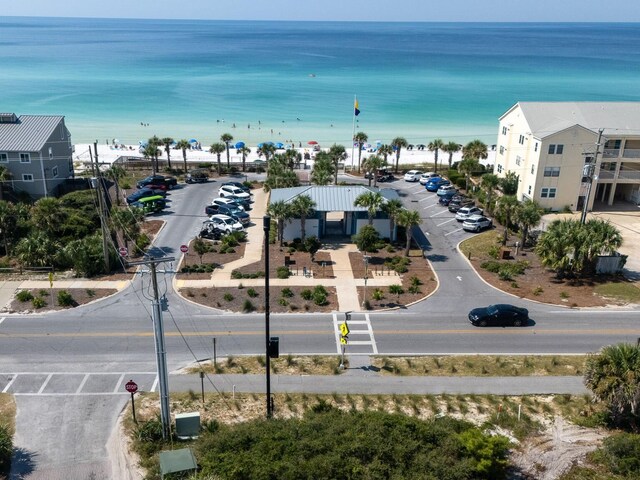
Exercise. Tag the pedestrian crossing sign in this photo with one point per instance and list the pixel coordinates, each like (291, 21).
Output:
(343, 340)
(344, 329)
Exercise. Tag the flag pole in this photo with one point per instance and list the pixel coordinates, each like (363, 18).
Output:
(355, 101)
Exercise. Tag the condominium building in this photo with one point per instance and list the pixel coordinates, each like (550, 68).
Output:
(550, 146)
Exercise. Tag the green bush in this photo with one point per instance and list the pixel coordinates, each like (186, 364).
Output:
(461, 182)
(38, 302)
(252, 292)
(494, 251)
(397, 263)
(492, 266)
(286, 293)
(6, 449)
(320, 290)
(283, 272)
(377, 294)
(228, 297)
(306, 294)
(248, 307)
(142, 242)
(65, 299)
(283, 302)
(319, 298)
(621, 454)
(24, 296)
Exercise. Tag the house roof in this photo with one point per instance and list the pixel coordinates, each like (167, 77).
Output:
(334, 198)
(29, 133)
(616, 118)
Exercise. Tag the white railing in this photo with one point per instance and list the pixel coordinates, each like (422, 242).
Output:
(606, 174)
(631, 153)
(629, 175)
(611, 153)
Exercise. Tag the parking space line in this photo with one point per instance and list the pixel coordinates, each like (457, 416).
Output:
(439, 213)
(2, 319)
(84, 380)
(447, 221)
(13, 379)
(454, 231)
(429, 206)
(44, 384)
(120, 380)
(155, 384)
(423, 199)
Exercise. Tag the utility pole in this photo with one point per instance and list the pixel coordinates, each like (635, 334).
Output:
(161, 352)
(101, 206)
(266, 226)
(589, 171)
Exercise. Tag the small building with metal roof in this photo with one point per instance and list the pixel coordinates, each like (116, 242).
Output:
(335, 213)
(37, 152)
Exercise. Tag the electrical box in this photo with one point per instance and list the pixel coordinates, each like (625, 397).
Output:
(187, 425)
(274, 347)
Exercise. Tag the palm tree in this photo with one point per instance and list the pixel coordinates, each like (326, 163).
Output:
(385, 150)
(451, 148)
(38, 250)
(323, 169)
(475, 149)
(8, 222)
(505, 211)
(360, 138)
(392, 208)
(217, 149)
(527, 215)
(600, 238)
(303, 207)
(116, 173)
(397, 143)
(556, 244)
(282, 212)
(154, 144)
(167, 141)
(613, 375)
(489, 182)
(372, 201)
(408, 219)
(372, 165)
(5, 175)
(435, 147)
(268, 150)
(226, 138)
(338, 154)
(184, 145)
(467, 166)
(244, 151)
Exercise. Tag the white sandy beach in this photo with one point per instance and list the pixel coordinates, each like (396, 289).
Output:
(107, 154)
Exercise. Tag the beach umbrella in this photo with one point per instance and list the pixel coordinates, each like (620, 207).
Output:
(260, 145)
(143, 143)
(268, 143)
(193, 140)
(378, 143)
(239, 144)
(279, 145)
(312, 142)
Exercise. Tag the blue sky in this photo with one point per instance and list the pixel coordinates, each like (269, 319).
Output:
(365, 10)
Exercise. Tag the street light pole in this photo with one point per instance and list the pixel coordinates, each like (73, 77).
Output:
(266, 226)
(588, 171)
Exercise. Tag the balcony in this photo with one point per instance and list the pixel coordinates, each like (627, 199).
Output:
(611, 153)
(606, 174)
(631, 153)
(629, 175)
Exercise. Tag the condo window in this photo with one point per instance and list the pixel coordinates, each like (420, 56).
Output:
(521, 140)
(613, 144)
(529, 190)
(556, 149)
(535, 147)
(50, 153)
(504, 130)
(501, 150)
(548, 193)
(533, 167)
(27, 177)
(551, 171)
(4, 157)
(54, 171)
(518, 160)
(499, 168)
(25, 158)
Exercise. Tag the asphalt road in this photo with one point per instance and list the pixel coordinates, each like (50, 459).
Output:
(68, 369)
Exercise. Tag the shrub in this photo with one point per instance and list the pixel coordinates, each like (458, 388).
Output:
(65, 299)
(397, 263)
(319, 298)
(247, 306)
(90, 293)
(306, 294)
(494, 251)
(142, 242)
(621, 453)
(320, 289)
(43, 293)
(538, 290)
(415, 281)
(414, 289)
(492, 266)
(286, 293)
(252, 293)
(24, 296)
(6, 449)
(38, 302)
(228, 297)
(283, 302)
(460, 182)
(377, 294)
(283, 272)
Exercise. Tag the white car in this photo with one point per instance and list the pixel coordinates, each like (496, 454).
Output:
(227, 201)
(231, 191)
(412, 176)
(226, 223)
(475, 223)
(425, 177)
(444, 189)
(467, 212)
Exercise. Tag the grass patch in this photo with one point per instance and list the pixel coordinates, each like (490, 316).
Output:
(619, 290)
(8, 412)
(285, 365)
(479, 245)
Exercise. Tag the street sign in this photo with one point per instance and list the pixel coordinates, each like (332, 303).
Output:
(344, 329)
(123, 251)
(131, 386)
(51, 279)
(184, 248)
(343, 340)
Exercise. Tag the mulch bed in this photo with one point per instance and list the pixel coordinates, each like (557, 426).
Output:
(211, 258)
(81, 296)
(297, 262)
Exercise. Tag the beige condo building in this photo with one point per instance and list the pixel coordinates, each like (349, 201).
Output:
(548, 145)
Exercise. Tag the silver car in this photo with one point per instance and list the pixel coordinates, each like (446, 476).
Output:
(475, 223)
(466, 212)
(226, 223)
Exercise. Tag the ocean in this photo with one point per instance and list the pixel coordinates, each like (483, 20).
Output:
(278, 81)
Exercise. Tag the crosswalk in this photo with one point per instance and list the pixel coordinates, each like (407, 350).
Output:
(361, 340)
(75, 383)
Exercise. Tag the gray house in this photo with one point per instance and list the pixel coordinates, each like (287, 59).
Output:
(37, 151)
(335, 214)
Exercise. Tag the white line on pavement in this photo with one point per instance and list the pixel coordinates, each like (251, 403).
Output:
(429, 206)
(84, 380)
(155, 384)
(373, 340)
(423, 199)
(45, 383)
(2, 319)
(439, 213)
(453, 231)
(446, 221)
(120, 380)
(13, 379)
(336, 331)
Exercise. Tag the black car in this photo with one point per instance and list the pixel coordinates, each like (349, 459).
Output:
(199, 175)
(447, 196)
(243, 202)
(239, 185)
(457, 203)
(499, 314)
(170, 182)
(230, 210)
(144, 192)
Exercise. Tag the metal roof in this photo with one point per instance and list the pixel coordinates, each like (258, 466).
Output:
(29, 133)
(333, 198)
(616, 118)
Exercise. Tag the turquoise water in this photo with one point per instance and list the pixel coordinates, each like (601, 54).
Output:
(195, 79)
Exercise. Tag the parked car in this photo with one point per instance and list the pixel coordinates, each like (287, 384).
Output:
(425, 177)
(443, 189)
(226, 223)
(199, 175)
(241, 202)
(144, 192)
(412, 176)
(170, 182)
(475, 223)
(435, 183)
(457, 202)
(448, 196)
(231, 210)
(157, 186)
(233, 191)
(240, 185)
(466, 212)
(499, 314)
(227, 201)
(210, 230)
(381, 175)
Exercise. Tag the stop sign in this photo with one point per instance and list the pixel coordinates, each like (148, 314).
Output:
(131, 386)
(184, 248)
(123, 251)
